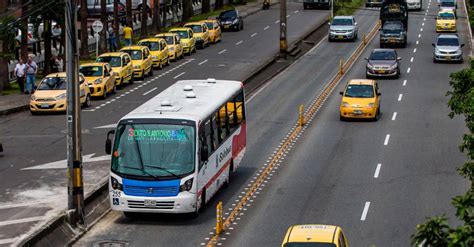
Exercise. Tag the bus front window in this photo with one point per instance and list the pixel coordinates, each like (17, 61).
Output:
(158, 150)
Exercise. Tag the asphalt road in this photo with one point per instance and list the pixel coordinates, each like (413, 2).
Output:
(376, 180)
(33, 176)
(271, 114)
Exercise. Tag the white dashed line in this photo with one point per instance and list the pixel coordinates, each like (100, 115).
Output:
(404, 82)
(8, 240)
(387, 138)
(419, 35)
(222, 51)
(240, 42)
(408, 70)
(365, 211)
(423, 24)
(424, 18)
(288, 16)
(149, 91)
(421, 29)
(253, 35)
(400, 97)
(20, 221)
(277, 21)
(417, 42)
(414, 50)
(377, 170)
(411, 59)
(267, 27)
(203, 62)
(296, 11)
(394, 116)
(179, 75)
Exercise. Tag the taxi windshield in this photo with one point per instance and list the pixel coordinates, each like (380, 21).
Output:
(91, 70)
(210, 25)
(53, 83)
(196, 28)
(154, 46)
(359, 91)
(113, 61)
(182, 34)
(446, 16)
(306, 244)
(134, 54)
(168, 39)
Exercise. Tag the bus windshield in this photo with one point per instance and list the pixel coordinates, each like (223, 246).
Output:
(159, 150)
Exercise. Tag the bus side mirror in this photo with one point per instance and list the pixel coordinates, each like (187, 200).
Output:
(108, 142)
(204, 153)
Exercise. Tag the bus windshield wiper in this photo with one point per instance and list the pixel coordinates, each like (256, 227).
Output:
(142, 170)
(164, 169)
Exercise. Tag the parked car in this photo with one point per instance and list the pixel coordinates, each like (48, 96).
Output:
(137, 4)
(383, 63)
(158, 50)
(343, 28)
(201, 33)
(186, 38)
(215, 33)
(231, 19)
(141, 60)
(121, 64)
(448, 48)
(100, 77)
(94, 8)
(373, 3)
(175, 49)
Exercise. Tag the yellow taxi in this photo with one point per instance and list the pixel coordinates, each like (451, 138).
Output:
(121, 64)
(201, 33)
(100, 77)
(141, 60)
(215, 32)
(318, 235)
(158, 50)
(175, 49)
(446, 21)
(360, 99)
(186, 38)
(50, 95)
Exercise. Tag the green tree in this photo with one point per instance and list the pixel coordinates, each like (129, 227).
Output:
(7, 45)
(436, 231)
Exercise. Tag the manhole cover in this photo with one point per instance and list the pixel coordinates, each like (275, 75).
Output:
(110, 243)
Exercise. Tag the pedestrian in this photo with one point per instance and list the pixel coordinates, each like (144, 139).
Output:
(56, 33)
(53, 65)
(60, 64)
(31, 70)
(20, 73)
(127, 35)
(112, 39)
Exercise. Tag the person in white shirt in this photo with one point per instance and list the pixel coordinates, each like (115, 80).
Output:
(20, 74)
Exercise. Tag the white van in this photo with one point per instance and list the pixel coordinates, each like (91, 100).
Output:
(414, 4)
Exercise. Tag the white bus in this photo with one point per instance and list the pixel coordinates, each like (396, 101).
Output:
(174, 152)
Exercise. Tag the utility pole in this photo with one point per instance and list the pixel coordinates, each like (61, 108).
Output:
(74, 156)
(283, 40)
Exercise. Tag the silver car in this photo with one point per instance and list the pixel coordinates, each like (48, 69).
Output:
(448, 48)
(343, 28)
(383, 63)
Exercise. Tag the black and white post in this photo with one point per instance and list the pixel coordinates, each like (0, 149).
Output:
(283, 25)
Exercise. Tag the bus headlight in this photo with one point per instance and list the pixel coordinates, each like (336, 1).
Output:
(186, 186)
(115, 184)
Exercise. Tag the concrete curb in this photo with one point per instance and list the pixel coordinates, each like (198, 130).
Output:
(14, 109)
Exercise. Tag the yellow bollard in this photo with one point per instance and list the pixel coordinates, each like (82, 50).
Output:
(301, 116)
(219, 219)
(341, 66)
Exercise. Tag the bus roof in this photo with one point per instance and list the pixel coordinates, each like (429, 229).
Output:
(188, 100)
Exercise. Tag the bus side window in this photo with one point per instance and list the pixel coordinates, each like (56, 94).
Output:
(224, 120)
(240, 107)
(220, 130)
(215, 131)
(231, 116)
(205, 139)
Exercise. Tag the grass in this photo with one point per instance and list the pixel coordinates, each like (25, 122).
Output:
(347, 7)
(13, 89)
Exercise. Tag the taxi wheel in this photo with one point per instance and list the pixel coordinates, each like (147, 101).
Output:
(151, 70)
(182, 55)
(342, 118)
(87, 103)
(120, 84)
(33, 113)
(143, 76)
(132, 79)
(168, 62)
(377, 116)
(104, 96)
(114, 89)
(160, 67)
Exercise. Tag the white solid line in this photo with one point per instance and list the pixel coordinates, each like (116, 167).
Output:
(267, 27)
(19, 221)
(404, 82)
(417, 42)
(203, 62)
(222, 51)
(240, 42)
(411, 59)
(387, 138)
(408, 70)
(366, 210)
(377, 170)
(253, 35)
(179, 75)
(414, 50)
(153, 89)
(400, 97)
(394, 116)
(7, 240)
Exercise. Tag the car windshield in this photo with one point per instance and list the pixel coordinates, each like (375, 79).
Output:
(342, 22)
(53, 83)
(113, 61)
(382, 55)
(359, 91)
(306, 244)
(228, 15)
(447, 4)
(154, 46)
(196, 28)
(168, 39)
(91, 70)
(159, 149)
(392, 28)
(134, 54)
(182, 34)
(448, 42)
(446, 16)
(210, 25)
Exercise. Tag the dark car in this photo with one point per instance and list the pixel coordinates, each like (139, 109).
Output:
(231, 19)
(393, 33)
(383, 63)
(94, 8)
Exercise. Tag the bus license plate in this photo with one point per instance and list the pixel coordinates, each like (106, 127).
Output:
(150, 203)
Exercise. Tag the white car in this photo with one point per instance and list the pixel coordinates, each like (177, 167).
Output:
(136, 4)
(448, 48)
(414, 4)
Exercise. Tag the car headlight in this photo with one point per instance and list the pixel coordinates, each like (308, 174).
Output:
(115, 184)
(437, 50)
(370, 105)
(61, 96)
(235, 21)
(370, 66)
(136, 66)
(33, 97)
(345, 104)
(171, 49)
(186, 186)
(98, 81)
(393, 66)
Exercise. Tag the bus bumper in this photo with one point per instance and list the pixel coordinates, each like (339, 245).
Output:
(185, 202)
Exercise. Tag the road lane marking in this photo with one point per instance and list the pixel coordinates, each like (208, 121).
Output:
(419, 35)
(421, 29)
(414, 50)
(8, 240)
(377, 170)
(149, 91)
(176, 77)
(240, 42)
(424, 18)
(267, 27)
(417, 42)
(423, 24)
(19, 221)
(253, 35)
(277, 21)
(394, 116)
(411, 59)
(400, 97)
(222, 51)
(288, 16)
(404, 82)
(203, 62)
(408, 70)
(296, 11)
(365, 211)
(387, 138)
